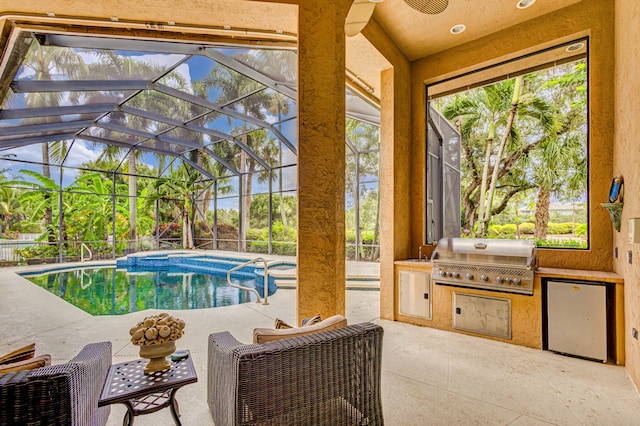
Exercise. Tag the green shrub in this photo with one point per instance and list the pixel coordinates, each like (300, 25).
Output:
(527, 228)
(560, 228)
(366, 237)
(285, 249)
(561, 243)
(508, 230)
(581, 229)
(494, 231)
(38, 251)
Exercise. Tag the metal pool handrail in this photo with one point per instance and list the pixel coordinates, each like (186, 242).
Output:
(82, 247)
(266, 279)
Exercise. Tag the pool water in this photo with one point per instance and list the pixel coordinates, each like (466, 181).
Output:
(111, 291)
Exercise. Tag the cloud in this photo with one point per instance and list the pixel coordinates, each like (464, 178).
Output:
(82, 152)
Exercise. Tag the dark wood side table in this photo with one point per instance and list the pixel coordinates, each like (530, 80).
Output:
(142, 393)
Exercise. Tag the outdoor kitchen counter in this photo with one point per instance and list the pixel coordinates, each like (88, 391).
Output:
(526, 317)
(527, 311)
(415, 264)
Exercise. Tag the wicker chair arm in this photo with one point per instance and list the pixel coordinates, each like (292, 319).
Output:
(222, 376)
(65, 394)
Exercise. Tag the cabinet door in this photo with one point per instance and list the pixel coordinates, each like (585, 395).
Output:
(577, 318)
(415, 294)
(482, 315)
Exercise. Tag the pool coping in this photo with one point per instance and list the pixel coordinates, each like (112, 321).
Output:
(359, 275)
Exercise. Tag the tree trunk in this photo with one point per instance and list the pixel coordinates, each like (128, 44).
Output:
(542, 214)
(201, 204)
(48, 210)
(244, 217)
(187, 234)
(375, 253)
(505, 137)
(283, 214)
(133, 200)
(469, 214)
(480, 232)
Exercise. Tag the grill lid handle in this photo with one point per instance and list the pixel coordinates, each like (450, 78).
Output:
(480, 246)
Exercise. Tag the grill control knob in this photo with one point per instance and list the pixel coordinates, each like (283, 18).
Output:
(449, 274)
(443, 273)
(456, 275)
(470, 276)
(508, 280)
(484, 278)
(499, 280)
(517, 281)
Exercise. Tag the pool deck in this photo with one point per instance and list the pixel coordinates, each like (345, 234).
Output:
(429, 376)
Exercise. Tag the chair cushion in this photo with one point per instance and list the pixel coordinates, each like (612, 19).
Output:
(26, 352)
(265, 335)
(28, 364)
(305, 322)
(281, 324)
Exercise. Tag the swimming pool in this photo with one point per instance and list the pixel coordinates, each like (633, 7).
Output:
(139, 285)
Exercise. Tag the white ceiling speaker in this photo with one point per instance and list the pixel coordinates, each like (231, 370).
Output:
(432, 7)
(359, 15)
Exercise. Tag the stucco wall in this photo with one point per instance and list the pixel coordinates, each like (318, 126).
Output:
(591, 18)
(626, 161)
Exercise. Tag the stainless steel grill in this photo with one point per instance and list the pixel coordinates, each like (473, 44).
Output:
(499, 265)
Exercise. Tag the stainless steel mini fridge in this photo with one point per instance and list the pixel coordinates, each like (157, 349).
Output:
(577, 318)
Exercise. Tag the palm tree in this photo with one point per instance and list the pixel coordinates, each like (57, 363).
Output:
(232, 86)
(365, 137)
(479, 117)
(184, 183)
(112, 64)
(280, 65)
(49, 63)
(279, 106)
(560, 162)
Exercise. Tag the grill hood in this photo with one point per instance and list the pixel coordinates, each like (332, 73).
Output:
(514, 253)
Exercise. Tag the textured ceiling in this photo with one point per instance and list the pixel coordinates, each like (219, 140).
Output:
(419, 35)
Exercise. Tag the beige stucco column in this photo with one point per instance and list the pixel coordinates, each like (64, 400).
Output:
(321, 158)
(395, 164)
(395, 184)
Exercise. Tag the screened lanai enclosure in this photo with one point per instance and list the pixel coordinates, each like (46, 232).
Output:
(114, 145)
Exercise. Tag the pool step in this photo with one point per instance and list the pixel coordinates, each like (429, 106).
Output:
(350, 284)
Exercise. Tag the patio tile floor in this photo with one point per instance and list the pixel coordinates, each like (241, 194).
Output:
(429, 376)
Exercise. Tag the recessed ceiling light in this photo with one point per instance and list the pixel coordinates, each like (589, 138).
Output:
(171, 22)
(226, 27)
(279, 31)
(457, 29)
(523, 4)
(114, 19)
(574, 47)
(51, 14)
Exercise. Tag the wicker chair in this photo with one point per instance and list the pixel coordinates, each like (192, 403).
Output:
(326, 378)
(65, 394)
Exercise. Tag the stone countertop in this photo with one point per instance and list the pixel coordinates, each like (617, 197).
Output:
(580, 274)
(414, 262)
